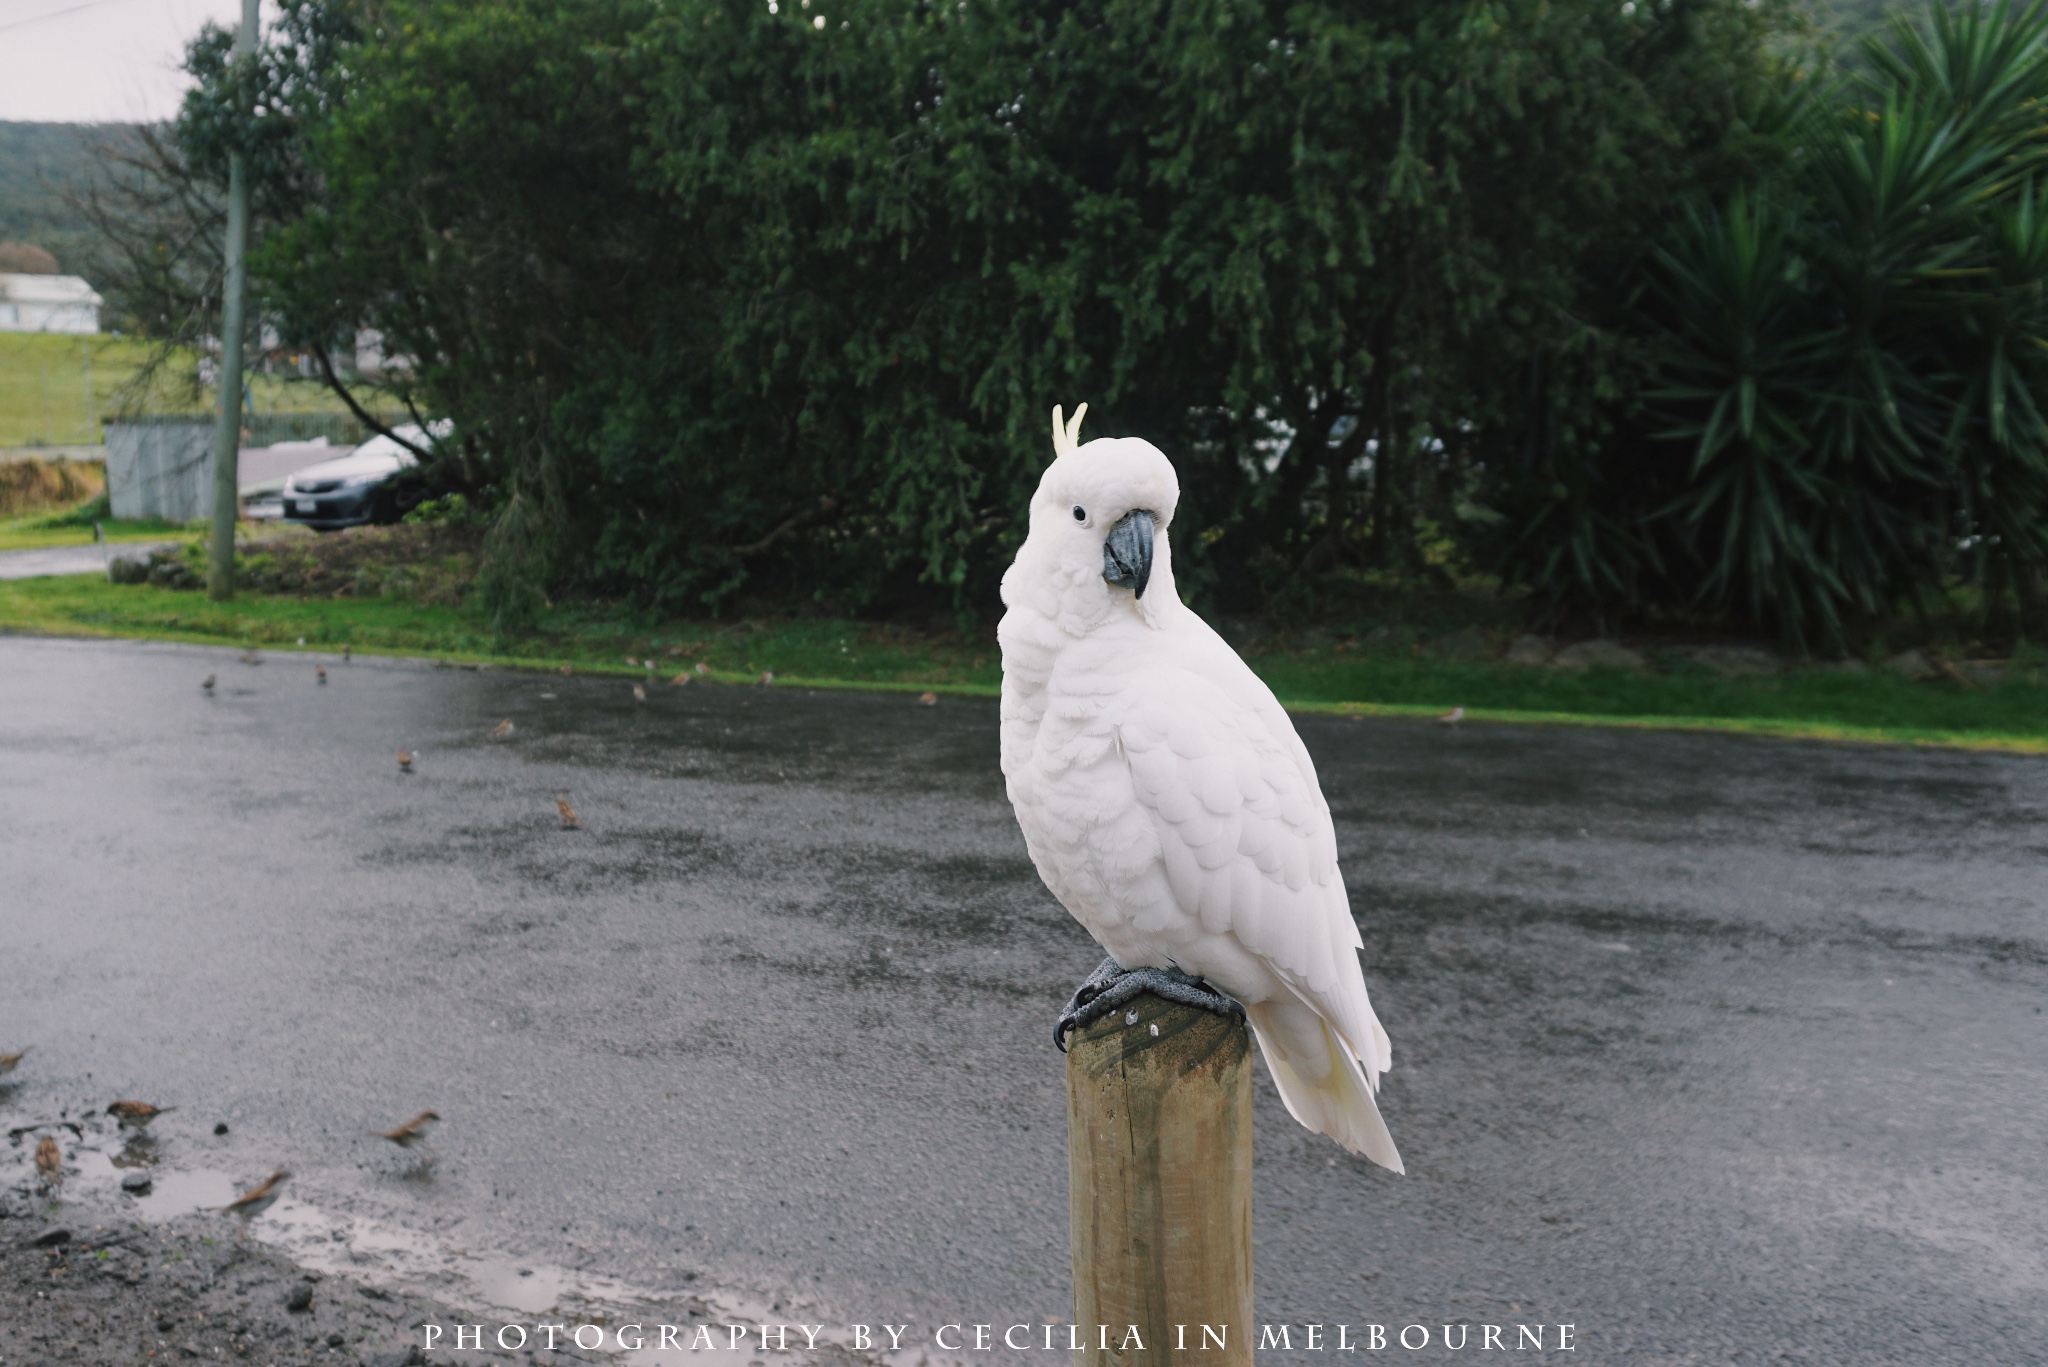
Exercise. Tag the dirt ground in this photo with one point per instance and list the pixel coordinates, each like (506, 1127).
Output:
(90, 1287)
(433, 563)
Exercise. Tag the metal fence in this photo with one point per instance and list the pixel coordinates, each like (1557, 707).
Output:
(162, 466)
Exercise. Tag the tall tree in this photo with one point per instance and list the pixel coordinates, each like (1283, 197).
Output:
(772, 300)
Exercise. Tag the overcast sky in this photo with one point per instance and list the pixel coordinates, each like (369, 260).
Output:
(98, 61)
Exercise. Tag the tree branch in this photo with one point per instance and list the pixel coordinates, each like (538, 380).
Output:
(362, 414)
(824, 506)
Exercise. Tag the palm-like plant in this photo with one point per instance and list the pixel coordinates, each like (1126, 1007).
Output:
(1745, 365)
(1854, 355)
(1999, 417)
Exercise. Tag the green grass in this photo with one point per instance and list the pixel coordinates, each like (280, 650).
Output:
(1872, 701)
(1873, 706)
(592, 639)
(40, 531)
(54, 389)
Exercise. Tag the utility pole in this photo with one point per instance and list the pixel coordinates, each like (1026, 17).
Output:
(227, 447)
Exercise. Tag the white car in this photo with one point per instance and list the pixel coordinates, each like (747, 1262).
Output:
(361, 487)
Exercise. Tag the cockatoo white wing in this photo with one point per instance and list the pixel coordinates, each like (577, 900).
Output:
(1247, 844)
(1247, 848)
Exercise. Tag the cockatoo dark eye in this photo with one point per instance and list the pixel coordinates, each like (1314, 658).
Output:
(1080, 513)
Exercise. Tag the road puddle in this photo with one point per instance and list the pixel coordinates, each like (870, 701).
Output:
(172, 1194)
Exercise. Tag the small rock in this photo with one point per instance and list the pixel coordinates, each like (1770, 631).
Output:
(189, 1349)
(1598, 654)
(221, 1128)
(336, 1339)
(165, 1324)
(1983, 673)
(137, 1183)
(51, 1237)
(124, 569)
(1913, 666)
(171, 574)
(1528, 650)
(299, 1298)
(1735, 662)
(404, 1357)
(1466, 643)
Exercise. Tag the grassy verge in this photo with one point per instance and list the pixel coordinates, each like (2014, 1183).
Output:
(592, 639)
(55, 388)
(1872, 706)
(41, 531)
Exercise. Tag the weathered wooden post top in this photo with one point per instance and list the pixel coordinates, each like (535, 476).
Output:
(1159, 1164)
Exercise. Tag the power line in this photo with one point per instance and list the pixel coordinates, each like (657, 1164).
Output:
(56, 14)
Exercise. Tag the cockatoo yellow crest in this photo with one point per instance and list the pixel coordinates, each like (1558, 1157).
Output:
(1164, 795)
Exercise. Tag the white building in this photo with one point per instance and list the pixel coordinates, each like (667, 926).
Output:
(47, 303)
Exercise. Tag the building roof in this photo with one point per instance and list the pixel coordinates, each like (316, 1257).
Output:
(46, 289)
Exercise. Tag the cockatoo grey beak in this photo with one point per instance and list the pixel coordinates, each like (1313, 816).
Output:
(1127, 553)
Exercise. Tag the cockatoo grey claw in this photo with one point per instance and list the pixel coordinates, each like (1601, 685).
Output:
(1111, 985)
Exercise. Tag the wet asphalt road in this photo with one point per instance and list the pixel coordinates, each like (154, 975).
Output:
(1720, 1050)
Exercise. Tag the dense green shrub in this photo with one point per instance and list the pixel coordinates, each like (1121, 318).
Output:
(1850, 359)
(772, 301)
(1630, 304)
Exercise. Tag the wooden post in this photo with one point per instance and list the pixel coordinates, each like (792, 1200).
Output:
(1159, 1173)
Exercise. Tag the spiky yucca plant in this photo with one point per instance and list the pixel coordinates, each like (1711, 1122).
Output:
(1854, 357)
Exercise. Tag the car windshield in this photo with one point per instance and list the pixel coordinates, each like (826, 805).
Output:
(379, 456)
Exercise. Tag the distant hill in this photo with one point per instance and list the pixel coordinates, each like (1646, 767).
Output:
(38, 163)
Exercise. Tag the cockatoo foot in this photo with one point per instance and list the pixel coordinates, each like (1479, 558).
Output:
(1111, 985)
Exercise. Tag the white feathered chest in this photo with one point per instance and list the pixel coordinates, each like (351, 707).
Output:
(1163, 810)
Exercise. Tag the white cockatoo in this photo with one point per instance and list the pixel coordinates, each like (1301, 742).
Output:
(1165, 797)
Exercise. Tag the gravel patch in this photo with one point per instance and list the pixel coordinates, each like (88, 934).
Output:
(89, 1287)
